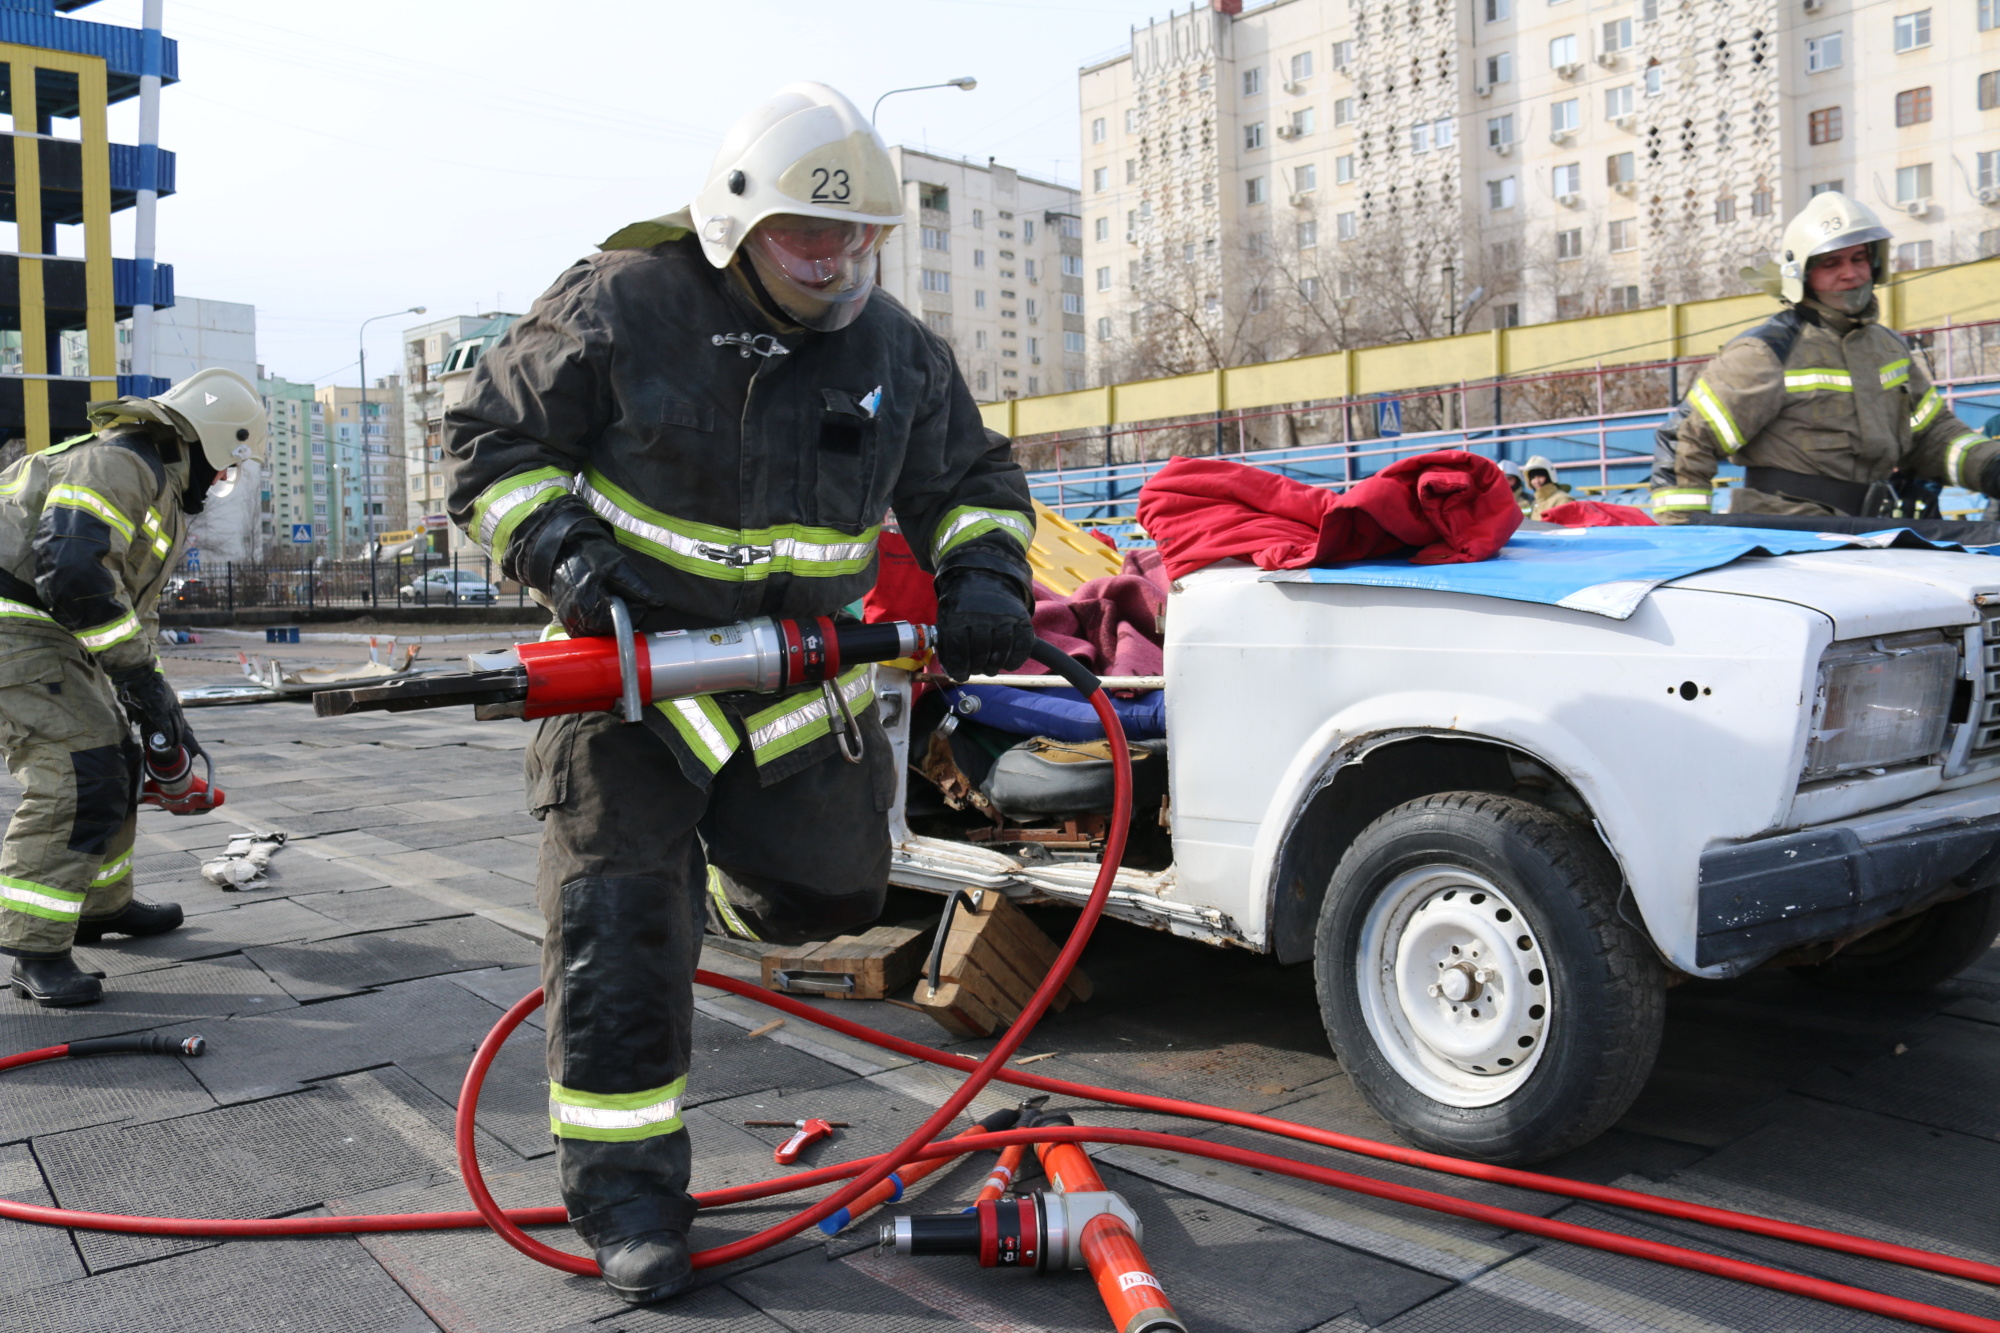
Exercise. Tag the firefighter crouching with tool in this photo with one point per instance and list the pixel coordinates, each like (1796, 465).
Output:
(1823, 402)
(710, 420)
(89, 530)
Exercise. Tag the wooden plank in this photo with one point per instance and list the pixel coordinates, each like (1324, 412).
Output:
(856, 967)
(993, 961)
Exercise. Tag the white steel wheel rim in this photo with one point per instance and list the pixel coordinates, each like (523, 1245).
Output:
(1453, 985)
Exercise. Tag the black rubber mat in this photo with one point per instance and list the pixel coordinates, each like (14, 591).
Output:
(501, 855)
(728, 1062)
(353, 963)
(296, 871)
(713, 1309)
(1947, 1077)
(259, 1057)
(268, 1158)
(504, 986)
(513, 1105)
(317, 1285)
(443, 833)
(209, 935)
(31, 1256)
(358, 910)
(97, 1090)
(367, 818)
(206, 991)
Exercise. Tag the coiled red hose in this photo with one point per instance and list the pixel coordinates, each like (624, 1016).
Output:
(924, 1143)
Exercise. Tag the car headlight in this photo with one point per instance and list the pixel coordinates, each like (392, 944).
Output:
(1880, 702)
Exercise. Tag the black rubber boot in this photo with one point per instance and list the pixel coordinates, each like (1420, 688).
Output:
(55, 982)
(646, 1268)
(136, 918)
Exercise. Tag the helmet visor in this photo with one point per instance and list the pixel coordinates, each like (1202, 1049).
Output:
(821, 270)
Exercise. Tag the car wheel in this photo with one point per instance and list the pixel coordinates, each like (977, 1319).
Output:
(1916, 953)
(1478, 982)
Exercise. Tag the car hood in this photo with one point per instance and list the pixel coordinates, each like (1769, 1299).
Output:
(1864, 593)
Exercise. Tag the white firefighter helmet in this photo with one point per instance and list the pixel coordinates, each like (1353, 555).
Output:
(1538, 464)
(1831, 221)
(223, 410)
(807, 163)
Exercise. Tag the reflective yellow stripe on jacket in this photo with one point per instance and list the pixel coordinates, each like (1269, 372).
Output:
(1684, 498)
(961, 525)
(728, 554)
(1927, 409)
(501, 506)
(801, 719)
(1717, 416)
(1820, 377)
(82, 497)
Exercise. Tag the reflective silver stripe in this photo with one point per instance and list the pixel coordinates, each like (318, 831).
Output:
(506, 503)
(1954, 458)
(598, 1117)
(1926, 410)
(18, 891)
(1015, 524)
(104, 636)
(798, 549)
(699, 726)
(113, 872)
(1683, 499)
(1717, 416)
(738, 555)
(22, 611)
(814, 711)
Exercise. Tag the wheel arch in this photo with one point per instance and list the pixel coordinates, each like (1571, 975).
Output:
(1370, 777)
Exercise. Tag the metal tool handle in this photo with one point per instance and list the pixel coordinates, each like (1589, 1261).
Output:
(628, 658)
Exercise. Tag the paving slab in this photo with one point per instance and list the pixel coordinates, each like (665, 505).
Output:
(189, 993)
(710, 1310)
(307, 1285)
(502, 855)
(503, 987)
(257, 1057)
(97, 1090)
(207, 935)
(445, 832)
(513, 1103)
(322, 969)
(36, 1256)
(264, 1159)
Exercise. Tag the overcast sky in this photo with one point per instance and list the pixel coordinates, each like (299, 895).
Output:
(340, 161)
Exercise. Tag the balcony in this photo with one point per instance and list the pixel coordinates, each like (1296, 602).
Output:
(61, 165)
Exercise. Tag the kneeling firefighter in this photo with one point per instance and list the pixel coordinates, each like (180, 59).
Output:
(1822, 403)
(711, 419)
(89, 530)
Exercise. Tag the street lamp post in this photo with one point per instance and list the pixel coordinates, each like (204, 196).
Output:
(965, 84)
(361, 339)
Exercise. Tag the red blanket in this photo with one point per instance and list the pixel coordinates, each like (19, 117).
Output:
(1597, 514)
(1453, 506)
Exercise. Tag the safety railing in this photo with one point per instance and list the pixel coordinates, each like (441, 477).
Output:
(439, 583)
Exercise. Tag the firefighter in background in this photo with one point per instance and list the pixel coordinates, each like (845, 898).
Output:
(1544, 493)
(1823, 402)
(711, 419)
(89, 530)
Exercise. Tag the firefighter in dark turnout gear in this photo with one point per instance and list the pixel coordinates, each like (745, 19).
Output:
(1822, 404)
(89, 531)
(712, 419)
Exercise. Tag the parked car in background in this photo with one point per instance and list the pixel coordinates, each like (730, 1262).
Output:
(186, 591)
(449, 587)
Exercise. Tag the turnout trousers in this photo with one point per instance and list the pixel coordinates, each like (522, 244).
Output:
(68, 849)
(631, 851)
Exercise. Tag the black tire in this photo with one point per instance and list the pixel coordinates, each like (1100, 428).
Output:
(1603, 985)
(1916, 953)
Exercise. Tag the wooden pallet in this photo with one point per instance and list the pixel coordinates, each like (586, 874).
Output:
(994, 958)
(868, 966)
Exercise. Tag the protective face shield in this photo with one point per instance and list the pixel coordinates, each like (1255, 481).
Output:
(805, 184)
(1830, 222)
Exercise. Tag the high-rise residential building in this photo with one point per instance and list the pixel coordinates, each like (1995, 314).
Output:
(431, 352)
(194, 334)
(1315, 174)
(58, 278)
(993, 261)
(298, 477)
(363, 434)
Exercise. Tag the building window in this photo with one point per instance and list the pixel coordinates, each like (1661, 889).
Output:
(1913, 107)
(1131, 120)
(1822, 53)
(1103, 229)
(1254, 191)
(1825, 187)
(1309, 290)
(1507, 316)
(1562, 51)
(1499, 11)
(1911, 254)
(1622, 298)
(1725, 208)
(1304, 122)
(1072, 266)
(1253, 136)
(1257, 300)
(1989, 15)
(1343, 54)
(1302, 66)
(1100, 180)
(1913, 31)
(1072, 303)
(1500, 68)
(1500, 193)
(1253, 82)
(1131, 171)
(1823, 126)
(1028, 230)
(1655, 80)
(1913, 183)
(1309, 232)
(1344, 226)
(1305, 179)
(1444, 133)
(1343, 169)
(1567, 179)
(1989, 87)
(1564, 116)
(1569, 244)
(1097, 130)
(1031, 273)
(1760, 203)
(1035, 348)
(979, 300)
(1620, 169)
(1500, 131)
(1104, 278)
(1104, 328)
(1073, 342)
(1989, 243)
(1343, 107)
(1618, 101)
(1989, 170)
(1624, 235)
(1617, 35)
(1420, 137)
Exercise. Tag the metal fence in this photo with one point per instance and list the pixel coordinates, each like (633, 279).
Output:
(439, 583)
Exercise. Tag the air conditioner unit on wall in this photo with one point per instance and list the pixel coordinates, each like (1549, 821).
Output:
(1561, 136)
(1287, 132)
(1626, 121)
(1916, 208)
(1569, 200)
(1502, 148)
(1482, 90)
(1608, 59)
(1814, 6)
(1989, 194)
(1627, 188)
(1570, 69)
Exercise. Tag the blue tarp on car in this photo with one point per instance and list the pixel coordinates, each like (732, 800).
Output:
(1607, 571)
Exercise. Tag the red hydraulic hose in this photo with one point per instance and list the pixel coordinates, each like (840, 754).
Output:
(865, 1172)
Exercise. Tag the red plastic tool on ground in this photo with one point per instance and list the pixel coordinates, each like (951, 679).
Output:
(170, 783)
(809, 1132)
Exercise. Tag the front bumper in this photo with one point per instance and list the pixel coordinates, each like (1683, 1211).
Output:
(1831, 880)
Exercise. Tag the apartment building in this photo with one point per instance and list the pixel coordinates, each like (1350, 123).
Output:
(427, 351)
(298, 478)
(1312, 174)
(363, 434)
(993, 261)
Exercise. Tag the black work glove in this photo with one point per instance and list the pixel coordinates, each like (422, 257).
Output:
(985, 626)
(151, 702)
(589, 573)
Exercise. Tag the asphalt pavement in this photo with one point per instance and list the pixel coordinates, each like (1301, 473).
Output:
(342, 1000)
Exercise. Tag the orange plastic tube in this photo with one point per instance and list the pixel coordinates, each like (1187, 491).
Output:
(1132, 1294)
(1001, 1179)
